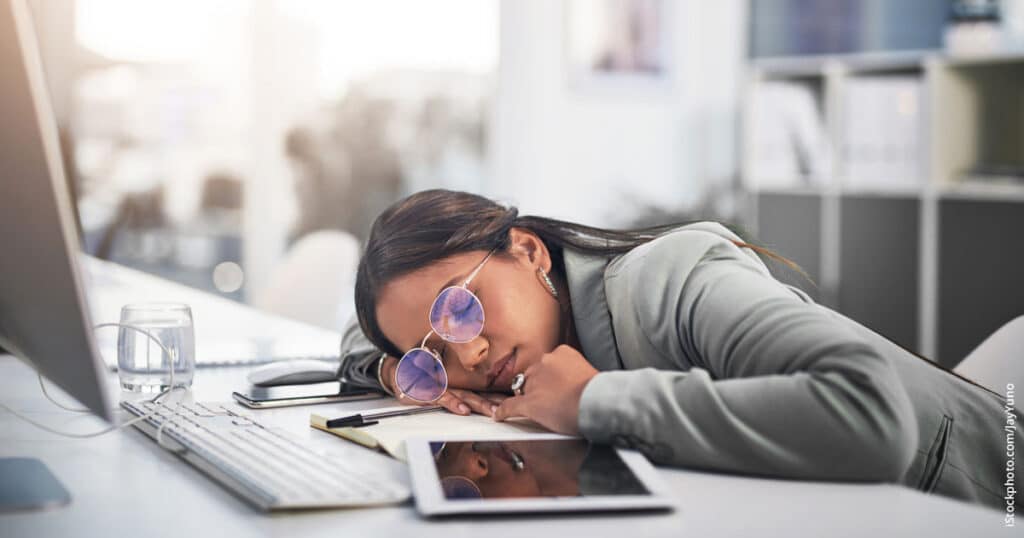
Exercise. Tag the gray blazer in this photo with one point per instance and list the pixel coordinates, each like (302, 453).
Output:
(708, 362)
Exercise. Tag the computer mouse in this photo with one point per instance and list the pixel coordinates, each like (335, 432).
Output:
(294, 372)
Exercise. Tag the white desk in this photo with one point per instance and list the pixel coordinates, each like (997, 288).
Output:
(123, 485)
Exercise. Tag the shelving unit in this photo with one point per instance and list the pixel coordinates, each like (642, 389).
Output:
(933, 263)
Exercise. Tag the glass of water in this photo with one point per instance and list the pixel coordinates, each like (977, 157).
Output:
(141, 364)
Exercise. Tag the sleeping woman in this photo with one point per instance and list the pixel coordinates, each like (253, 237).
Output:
(674, 340)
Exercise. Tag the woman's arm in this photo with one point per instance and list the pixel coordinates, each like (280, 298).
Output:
(781, 388)
(358, 358)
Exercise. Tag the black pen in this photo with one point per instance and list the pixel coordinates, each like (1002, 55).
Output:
(368, 419)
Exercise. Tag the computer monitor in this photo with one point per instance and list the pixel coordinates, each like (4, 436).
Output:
(43, 314)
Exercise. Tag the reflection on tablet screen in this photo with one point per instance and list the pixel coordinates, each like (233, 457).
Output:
(529, 469)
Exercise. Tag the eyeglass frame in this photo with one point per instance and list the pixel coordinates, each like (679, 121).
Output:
(434, 353)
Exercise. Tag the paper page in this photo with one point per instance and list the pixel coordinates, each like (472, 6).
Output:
(390, 433)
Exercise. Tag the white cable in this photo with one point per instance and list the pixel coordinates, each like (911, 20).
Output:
(167, 352)
(76, 435)
(159, 431)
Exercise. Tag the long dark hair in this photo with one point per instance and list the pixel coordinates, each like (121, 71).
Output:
(432, 225)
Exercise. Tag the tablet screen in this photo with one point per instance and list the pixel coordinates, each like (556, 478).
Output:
(531, 469)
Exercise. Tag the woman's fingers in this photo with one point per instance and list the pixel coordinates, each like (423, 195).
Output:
(453, 403)
(511, 407)
(464, 402)
(449, 401)
(476, 402)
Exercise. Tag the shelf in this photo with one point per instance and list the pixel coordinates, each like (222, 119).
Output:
(801, 190)
(983, 59)
(882, 192)
(874, 62)
(855, 62)
(983, 191)
(929, 235)
(887, 62)
(964, 191)
(789, 68)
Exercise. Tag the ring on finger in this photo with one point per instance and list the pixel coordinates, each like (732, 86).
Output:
(518, 383)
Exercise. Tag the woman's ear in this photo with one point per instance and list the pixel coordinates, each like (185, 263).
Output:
(528, 248)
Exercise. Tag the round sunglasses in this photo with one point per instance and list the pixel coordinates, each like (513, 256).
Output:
(455, 316)
(459, 487)
(455, 486)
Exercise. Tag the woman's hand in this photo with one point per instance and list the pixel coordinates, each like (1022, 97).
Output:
(458, 401)
(463, 401)
(551, 395)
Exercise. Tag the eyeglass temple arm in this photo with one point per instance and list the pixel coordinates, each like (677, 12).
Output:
(423, 344)
(478, 268)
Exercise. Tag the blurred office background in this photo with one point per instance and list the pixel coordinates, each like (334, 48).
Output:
(244, 147)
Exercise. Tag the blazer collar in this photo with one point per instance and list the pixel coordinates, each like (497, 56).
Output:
(585, 277)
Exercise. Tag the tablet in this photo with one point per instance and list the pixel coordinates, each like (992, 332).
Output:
(530, 473)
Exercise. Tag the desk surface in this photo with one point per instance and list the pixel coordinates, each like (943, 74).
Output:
(123, 484)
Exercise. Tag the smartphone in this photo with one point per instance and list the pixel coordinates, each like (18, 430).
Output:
(289, 395)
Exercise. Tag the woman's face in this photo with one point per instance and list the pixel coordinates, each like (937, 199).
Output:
(521, 318)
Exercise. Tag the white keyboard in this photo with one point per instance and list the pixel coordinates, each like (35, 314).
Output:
(265, 467)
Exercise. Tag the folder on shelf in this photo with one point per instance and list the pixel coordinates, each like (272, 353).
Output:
(882, 132)
(790, 145)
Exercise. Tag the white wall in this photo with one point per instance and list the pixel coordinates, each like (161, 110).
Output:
(585, 154)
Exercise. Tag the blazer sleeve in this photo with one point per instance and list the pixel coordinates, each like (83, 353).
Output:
(358, 368)
(771, 385)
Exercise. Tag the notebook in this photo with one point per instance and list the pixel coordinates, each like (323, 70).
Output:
(390, 434)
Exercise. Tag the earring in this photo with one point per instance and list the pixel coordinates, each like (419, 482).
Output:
(546, 280)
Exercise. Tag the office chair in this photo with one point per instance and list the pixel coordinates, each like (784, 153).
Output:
(999, 359)
(314, 281)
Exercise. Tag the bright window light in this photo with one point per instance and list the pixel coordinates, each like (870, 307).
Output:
(360, 38)
(150, 30)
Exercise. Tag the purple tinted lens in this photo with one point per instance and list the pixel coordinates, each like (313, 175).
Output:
(457, 315)
(457, 487)
(421, 376)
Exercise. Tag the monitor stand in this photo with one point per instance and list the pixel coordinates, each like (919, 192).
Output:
(29, 485)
